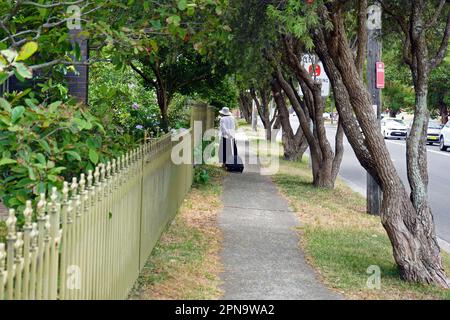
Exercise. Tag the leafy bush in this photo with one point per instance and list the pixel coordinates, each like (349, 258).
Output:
(201, 175)
(43, 144)
(123, 104)
(180, 112)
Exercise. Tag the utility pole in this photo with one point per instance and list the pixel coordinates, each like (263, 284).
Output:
(374, 47)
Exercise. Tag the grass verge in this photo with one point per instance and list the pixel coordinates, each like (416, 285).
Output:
(185, 263)
(341, 241)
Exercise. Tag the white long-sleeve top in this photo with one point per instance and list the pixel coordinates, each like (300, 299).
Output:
(227, 127)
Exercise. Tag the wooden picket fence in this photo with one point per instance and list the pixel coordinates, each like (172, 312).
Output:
(91, 239)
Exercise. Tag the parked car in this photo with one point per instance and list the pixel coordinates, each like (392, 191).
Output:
(393, 128)
(433, 131)
(444, 138)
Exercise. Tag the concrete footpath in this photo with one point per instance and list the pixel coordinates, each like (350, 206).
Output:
(261, 252)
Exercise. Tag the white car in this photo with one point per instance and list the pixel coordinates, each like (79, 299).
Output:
(433, 131)
(444, 139)
(393, 128)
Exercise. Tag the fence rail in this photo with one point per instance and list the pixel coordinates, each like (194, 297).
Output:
(91, 239)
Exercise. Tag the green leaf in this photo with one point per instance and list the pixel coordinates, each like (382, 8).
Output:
(27, 50)
(44, 145)
(52, 107)
(175, 20)
(31, 174)
(182, 4)
(16, 113)
(58, 170)
(3, 77)
(23, 70)
(81, 124)
(6, 161)
(5, 105)
(24, 183)
(41, 158)
(91, 143)
(74, 155)
(93, 156)
(9, 56)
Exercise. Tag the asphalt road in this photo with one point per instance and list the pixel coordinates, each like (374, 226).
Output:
(438, 170)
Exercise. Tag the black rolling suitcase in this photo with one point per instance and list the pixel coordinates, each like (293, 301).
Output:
(238, 164)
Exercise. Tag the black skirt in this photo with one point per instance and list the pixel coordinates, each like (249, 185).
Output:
(225, 150)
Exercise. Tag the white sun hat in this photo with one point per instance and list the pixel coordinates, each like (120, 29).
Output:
(225, 111)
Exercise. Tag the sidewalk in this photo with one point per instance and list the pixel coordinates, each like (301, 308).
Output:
(261, 253)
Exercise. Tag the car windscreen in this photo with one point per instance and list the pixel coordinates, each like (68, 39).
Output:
(434, 125)
(398, 121)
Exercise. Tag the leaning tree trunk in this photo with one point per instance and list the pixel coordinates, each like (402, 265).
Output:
(411, 230)
(294, 145)
(245, 104)
(263, 110)
(325, 163)
(416, 156)
(322, 157)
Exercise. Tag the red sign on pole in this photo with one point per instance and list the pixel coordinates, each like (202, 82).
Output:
(380, 75)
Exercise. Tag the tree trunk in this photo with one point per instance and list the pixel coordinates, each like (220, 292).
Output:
(408, 222)
(264, 110)
(443, 112)
(294, 145)
(428, 267)
(320, 151)
(325, 163)
(163, 103)
(245, 104)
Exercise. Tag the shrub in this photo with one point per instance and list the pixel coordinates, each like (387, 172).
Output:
(123, 104)
(41, 145)
(201, 175)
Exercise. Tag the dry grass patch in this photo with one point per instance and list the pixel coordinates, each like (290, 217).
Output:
(185, 263)
(341, 241)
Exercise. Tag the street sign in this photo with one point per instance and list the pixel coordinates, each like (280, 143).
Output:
(380, 75)
(316, 70)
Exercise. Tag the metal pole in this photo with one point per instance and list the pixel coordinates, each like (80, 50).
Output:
(374, 46)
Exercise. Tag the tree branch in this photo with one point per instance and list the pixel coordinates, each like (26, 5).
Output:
(436, 15)
(362, 36)
(440, 55)
(143, 75)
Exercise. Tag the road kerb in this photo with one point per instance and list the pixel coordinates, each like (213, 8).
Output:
(444, 245)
